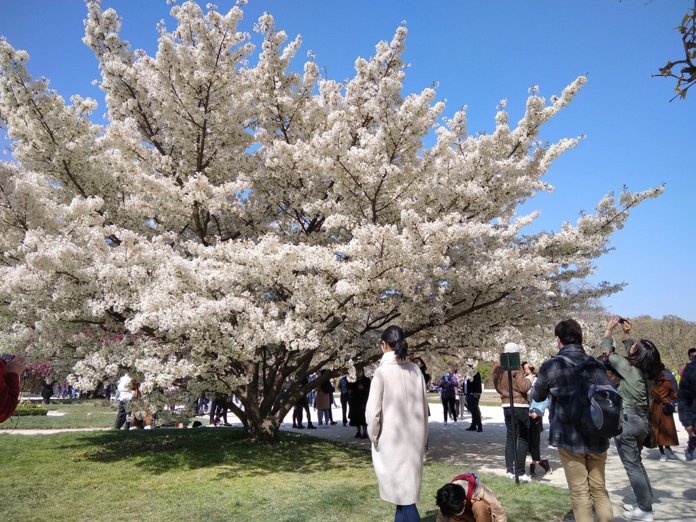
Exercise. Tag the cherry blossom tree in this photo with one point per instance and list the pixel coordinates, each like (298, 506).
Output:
(238, 225)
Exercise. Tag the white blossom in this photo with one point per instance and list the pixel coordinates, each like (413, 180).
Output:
(236, 227)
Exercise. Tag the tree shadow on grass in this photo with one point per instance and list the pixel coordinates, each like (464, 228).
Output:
(159, 451)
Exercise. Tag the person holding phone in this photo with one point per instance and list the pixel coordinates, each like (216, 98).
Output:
(11, 368)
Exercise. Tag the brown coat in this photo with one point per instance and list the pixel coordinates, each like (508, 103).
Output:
(322, 401)
(520, 386)
(663, 425)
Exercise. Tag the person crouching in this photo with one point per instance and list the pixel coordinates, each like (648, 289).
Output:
(466, 499)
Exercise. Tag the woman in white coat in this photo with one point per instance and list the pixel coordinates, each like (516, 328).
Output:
(397, 424)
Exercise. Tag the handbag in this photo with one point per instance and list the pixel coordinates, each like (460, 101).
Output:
(651, 437)
(667, 408)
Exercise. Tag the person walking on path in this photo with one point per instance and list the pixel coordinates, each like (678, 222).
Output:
(397, 424)
(125, 394)
(359, 392)
(474, 389)
(662, 415)
(448, 394)
(638, 372)
(344, 388)
(687, 403)
(518, 415)
(583, 457)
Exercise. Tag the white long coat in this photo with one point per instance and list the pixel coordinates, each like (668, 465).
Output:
(397, 423)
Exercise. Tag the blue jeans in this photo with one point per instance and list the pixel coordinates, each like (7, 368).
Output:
(407, 514)
(629, 444)
(521, 419)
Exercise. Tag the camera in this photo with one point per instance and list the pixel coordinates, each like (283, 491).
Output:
(621, 320)
(7, 357)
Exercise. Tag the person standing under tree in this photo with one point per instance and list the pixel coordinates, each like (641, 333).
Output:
(344, 388)
(359, 392)
(397, 420)
(448, 394)
(515, 447)
(474, 389)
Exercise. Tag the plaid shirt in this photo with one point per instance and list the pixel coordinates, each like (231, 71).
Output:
(556, 378)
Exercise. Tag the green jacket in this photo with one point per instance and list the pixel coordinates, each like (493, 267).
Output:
(632, 386)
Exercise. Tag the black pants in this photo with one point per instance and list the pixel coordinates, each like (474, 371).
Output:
(448, 405)
(344, 407)
(218, 410)
(516, 448)
(472, 403)
(535, 429)
(122, 416)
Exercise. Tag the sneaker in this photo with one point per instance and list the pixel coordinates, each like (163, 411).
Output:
(638, 514)
(670, 453)
(689, 454)
(628, 507)
(522, 478)
(663, 458)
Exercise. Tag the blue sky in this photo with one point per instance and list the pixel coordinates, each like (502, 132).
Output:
(480, 52)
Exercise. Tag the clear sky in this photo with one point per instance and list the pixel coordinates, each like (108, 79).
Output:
(480, 52)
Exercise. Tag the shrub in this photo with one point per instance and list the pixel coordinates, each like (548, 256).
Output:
(28, 410)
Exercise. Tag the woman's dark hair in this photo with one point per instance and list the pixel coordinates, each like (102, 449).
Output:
(646, 357)
(394, 337)
(450, 499)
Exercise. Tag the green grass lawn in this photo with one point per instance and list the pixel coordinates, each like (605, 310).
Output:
(89, 413)
(214, 475)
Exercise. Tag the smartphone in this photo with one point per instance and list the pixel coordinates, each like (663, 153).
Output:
(7, 357)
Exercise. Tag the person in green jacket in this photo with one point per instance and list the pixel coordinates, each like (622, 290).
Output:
(637, 371)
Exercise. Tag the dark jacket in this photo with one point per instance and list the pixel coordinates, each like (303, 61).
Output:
(9, 392)
(557, 378)
(687, 395)
(448, 386)
(474, 385)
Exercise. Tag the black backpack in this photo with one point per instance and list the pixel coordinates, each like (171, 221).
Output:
(595, 409)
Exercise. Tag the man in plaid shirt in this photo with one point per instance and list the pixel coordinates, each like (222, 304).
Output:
(583, 457)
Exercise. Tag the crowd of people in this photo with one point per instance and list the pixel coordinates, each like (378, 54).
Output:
(646, 397)
(391, 409)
